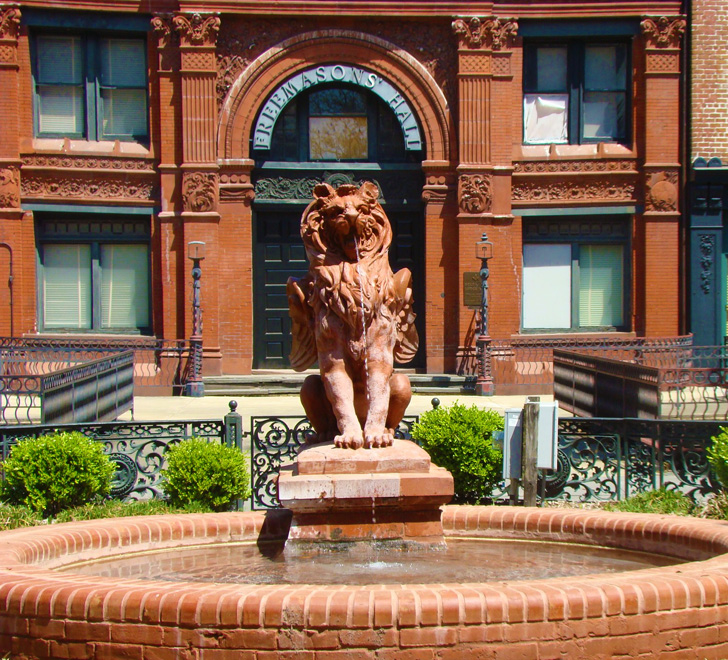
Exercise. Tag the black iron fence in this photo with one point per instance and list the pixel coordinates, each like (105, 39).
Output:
(599, 460)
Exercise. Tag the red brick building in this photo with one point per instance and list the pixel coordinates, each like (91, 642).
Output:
(131, 128)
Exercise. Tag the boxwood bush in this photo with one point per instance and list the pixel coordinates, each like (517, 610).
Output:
(460, 439)
(718, 456)
(205, 473)
(54, 472)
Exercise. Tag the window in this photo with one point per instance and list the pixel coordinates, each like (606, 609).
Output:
(575, 93)
(335, 124)
(90, 87)
(91, 280)
(574, 275)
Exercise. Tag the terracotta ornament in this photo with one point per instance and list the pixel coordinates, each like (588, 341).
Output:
(353, 315)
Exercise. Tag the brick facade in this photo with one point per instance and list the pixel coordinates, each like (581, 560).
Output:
(210, 74)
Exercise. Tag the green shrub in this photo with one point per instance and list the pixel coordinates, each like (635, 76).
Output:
(205, 473)
(655, 501)
(460, 439)
(55, 472)
(718, 456)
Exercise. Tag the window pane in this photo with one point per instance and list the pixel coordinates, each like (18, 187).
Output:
(124, 112)
(604, 115)
(60, 110)
(124, 286)
(605, 68)
(551, 69)
(601, 290)
(60, 60)
(123, 63)
(546, 286)
(545, 118)
(337, 101)
(67, 286)
(338, 138)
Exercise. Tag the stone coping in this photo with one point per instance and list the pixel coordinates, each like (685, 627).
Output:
(682, 608)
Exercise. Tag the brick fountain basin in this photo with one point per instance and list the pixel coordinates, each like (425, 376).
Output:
(646, 613)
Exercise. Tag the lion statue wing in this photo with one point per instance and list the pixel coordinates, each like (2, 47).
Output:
(303, 348)
(407, 338)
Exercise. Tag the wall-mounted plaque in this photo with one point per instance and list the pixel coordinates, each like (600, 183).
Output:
(472, 289)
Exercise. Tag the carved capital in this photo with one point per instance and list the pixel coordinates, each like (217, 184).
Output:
(199, 192)
(9, 188)
(663, 31)
(488, 33)
(197, 29)
(475, 193)
(9, 22)
(162, 28)
(661, 193)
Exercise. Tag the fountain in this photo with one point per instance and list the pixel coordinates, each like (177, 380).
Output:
(221, 586)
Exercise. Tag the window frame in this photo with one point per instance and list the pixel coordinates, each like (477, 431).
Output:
(576, 85)
(91, 85)
(95, 240)
(577, 240)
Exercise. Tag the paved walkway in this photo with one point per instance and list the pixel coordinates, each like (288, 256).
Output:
(168, 408)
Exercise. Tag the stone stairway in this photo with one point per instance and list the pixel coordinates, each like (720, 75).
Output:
(273, 383)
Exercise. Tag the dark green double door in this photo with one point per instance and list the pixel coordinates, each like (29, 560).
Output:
(279, 254)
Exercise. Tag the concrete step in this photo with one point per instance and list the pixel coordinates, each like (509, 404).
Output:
(270, 383)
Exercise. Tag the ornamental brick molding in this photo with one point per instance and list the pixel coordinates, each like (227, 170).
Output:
(487, 33)
(9, 188)
(9, 22)
(575, 166)
(475, 195)
(577, 191)
(197, 29)
(662, 192)
(82, 187)
(87, 163)
(663, 31)
(199, 191)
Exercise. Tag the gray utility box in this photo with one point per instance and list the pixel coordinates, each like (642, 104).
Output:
(547, 439)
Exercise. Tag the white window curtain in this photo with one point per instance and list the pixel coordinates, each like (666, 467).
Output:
(123, 87)
(60, 85)
(124, 286)
(546, 286)
(67, 286)
(601, 285)
(545, 118)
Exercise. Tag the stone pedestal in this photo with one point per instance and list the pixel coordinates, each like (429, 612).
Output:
(392, 493)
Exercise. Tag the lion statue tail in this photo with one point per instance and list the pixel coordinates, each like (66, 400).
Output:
(303, 348)
(408, 340)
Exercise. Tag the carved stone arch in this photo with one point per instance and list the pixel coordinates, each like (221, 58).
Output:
(276, 65)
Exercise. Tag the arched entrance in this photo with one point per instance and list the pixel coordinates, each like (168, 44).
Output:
(280, 189)
(339, 124)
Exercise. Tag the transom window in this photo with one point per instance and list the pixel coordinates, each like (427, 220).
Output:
(575, 275)
(90, 86)
(338, 124)
(92, 279)
(575, 92)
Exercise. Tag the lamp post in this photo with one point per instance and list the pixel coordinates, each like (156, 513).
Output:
(194, 385)
(484, 385)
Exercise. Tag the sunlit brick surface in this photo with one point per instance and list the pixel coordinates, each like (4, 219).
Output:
(681, 610)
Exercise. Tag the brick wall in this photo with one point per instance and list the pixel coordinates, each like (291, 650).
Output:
(709, 84)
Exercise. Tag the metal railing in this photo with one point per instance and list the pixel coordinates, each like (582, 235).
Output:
(693, 386)
(524, 365)
(159, 364)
